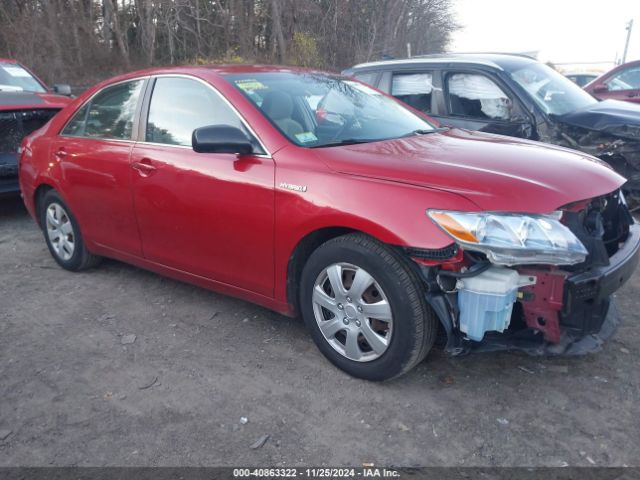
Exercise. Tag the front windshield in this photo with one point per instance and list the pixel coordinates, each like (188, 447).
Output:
(315, 110)
(555, 93)
(14, 78)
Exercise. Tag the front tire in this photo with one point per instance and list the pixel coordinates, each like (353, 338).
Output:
(62, 234)
(365, 308)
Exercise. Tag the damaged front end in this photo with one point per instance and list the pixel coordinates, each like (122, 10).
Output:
(537, 283)
(619, 151)
(608, 130)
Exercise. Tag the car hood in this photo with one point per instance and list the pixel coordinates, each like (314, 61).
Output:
(495, 172)
(30, 100)
(617, 118)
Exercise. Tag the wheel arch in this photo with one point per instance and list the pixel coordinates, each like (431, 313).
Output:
(301, 253)
(38, 194)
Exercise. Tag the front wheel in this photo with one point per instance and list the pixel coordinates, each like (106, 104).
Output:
(365, 308)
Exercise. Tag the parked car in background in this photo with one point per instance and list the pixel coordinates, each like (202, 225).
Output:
(516, 96)
(315, 194)
(26, 104)
(581, 78)
(621, 83)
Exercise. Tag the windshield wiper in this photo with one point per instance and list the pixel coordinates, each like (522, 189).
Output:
(425, 131)
(346, 141)
(354, 141)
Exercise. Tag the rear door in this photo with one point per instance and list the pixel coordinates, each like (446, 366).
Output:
(209, 214)
(476, 100)
(93, 153)
(416, 89)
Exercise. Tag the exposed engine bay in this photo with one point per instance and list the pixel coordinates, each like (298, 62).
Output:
(485, 303)
(608, 138)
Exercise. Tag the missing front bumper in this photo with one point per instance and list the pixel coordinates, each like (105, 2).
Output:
(587, 315)
(587, 294)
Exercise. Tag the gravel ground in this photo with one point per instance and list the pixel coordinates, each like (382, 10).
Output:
(77, 388)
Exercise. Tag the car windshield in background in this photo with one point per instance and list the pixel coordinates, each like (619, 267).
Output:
(14, 78)
(555, 93)
(315, 110)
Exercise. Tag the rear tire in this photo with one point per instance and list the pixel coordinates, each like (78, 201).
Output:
(345, 284)
(62, 234)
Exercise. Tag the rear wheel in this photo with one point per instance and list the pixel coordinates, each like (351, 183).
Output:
(62, 234)
(365, 308)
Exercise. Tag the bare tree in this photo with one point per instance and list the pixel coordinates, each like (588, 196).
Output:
(82, 41)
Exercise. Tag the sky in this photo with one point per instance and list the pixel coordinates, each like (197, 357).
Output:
(563, 31)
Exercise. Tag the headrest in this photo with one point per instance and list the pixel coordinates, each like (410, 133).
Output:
(277, 105)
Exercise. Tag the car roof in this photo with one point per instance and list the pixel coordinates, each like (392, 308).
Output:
(218, 69)
(207, 70)
(500, 61)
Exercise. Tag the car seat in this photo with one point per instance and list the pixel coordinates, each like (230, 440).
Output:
(278, 106)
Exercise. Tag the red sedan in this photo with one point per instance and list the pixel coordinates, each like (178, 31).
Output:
(314, 194)
(620, 83)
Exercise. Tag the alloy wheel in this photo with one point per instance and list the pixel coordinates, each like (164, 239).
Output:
(352, 312)
(60, 231)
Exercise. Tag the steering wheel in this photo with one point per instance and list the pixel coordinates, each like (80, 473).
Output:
(346, 126)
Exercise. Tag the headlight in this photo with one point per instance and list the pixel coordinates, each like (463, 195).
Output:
(513, 238)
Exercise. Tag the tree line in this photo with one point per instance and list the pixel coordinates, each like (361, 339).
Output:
(82, 41)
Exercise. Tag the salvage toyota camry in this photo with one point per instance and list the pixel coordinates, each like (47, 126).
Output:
(313, 194)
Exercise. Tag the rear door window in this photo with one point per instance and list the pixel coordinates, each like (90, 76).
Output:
(414, 89)
(109, 115)
(476, 96)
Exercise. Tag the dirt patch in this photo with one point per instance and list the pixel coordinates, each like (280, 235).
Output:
(78, 388)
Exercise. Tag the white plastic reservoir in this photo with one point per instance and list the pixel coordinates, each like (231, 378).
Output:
(486, 301)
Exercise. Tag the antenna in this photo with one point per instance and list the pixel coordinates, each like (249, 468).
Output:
(628, 28)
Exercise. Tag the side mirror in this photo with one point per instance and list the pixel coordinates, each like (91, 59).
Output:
(221, 139)
(62, 89)
(600, 88)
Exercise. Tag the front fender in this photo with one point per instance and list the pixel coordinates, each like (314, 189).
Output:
(391, 212)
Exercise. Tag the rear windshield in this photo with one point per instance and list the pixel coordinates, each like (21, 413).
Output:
(15, 78)
(317, 110)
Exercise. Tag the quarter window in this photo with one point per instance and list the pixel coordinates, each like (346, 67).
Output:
(110, 114)
(75, 127)
(180, 105)
(477, 96)
(414, 89)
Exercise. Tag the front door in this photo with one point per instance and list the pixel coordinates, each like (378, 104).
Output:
(211, 215)
(475, 101)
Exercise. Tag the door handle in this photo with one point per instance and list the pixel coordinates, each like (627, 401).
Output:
(144, 167)
(60, 154)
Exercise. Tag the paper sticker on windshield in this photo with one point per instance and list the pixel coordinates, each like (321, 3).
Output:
(16, 71)
(250, 85)
(306, 137)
